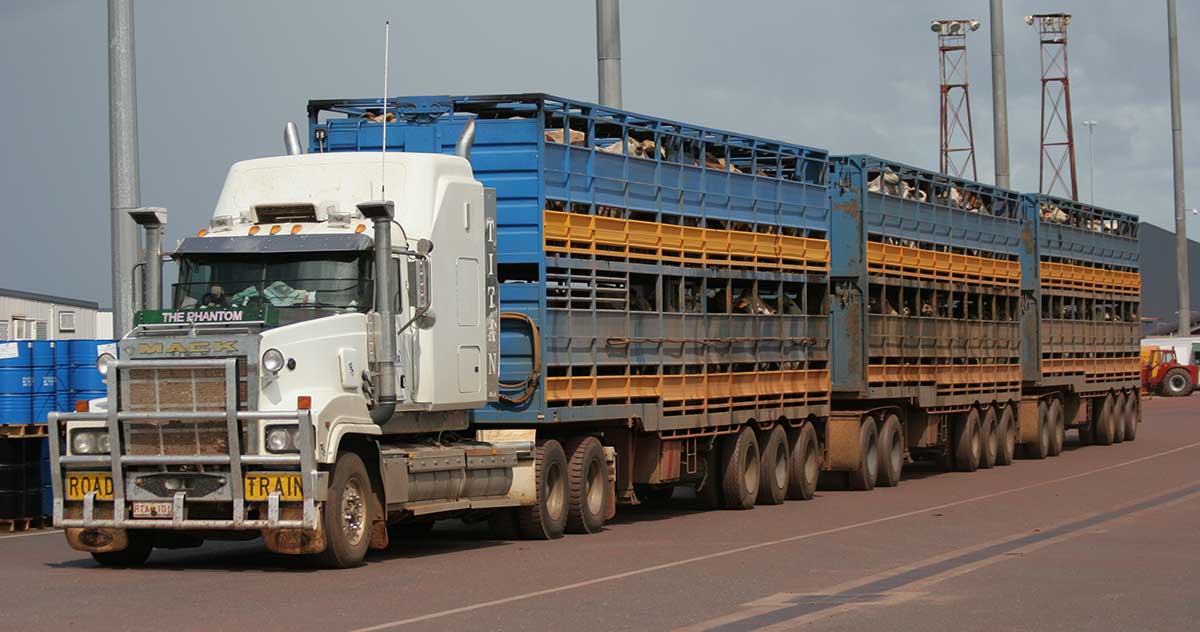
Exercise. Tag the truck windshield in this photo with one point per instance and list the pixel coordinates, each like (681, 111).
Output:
(340, 281)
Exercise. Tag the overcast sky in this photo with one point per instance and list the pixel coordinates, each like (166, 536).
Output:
(217, 80)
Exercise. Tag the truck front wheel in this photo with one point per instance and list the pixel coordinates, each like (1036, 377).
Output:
(347, 514)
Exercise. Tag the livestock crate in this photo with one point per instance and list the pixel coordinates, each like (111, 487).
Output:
(926, 273)
(675, 274)
(1088, 293)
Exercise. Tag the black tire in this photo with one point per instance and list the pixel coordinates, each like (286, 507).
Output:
(1118, 421)
(967, 442)
(864, 478)
(891, 452)
(708, 492)
(1040, 448)
(989, 438)
(1007, 431)
(1177, 383)
(775, 468)
(805, 464)
(1131, 416)
(654, 495)
(1056, 426)
(346, 514)
(741, 470)
(136, 554)
(547, 518)
(587, 485)
(1102, 426)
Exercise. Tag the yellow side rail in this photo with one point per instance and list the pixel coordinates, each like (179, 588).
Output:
(707, 391)
(950, 379)
(920, 263)
(1094, 369)
(582, 235)
(1067, 276)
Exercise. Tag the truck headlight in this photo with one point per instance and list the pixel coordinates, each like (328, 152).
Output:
(102, 363)
(272, 360)
(89, 441)
(281, 439)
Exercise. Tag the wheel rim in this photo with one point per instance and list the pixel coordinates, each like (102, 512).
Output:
(993, 440)
(872, 457)
(810, 461)
(1176, 382)
(897, 452)
(354, 512)
(975, 442)
(595, 488)
(750, 469)
(1010, 434)
(554, 490)
(781, 469)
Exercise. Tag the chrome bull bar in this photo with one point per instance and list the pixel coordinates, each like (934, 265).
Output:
(116, 461)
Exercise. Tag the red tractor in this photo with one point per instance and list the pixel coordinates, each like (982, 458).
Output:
(1162, 373)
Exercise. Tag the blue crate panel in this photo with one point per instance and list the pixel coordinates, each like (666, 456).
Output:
(511, 155)
(1115, 243)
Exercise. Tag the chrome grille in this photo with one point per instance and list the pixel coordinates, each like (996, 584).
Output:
(178, 390)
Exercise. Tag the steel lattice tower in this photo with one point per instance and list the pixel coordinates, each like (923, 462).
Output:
(1057, 130)
(956, 135)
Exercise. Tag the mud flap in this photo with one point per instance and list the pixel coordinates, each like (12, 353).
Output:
(1027, 420)
(842, 450)
(97, 540)
(295, 541)
(379, 532)
(610, 461)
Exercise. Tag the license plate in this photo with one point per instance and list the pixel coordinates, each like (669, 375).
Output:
(260, 486)
(79, 484)
(153, 509)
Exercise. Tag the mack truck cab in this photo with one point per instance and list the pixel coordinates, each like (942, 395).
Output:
(312, 377)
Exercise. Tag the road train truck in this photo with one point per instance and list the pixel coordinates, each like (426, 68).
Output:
(527, 310)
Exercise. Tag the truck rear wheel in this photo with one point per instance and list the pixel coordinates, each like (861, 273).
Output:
(742, 470)
(1177, 383)
(891, 452)
(805, 464)
(966, 442)
(864, 478)
(776, 466)
(1040, 448)
(587, 485)
(347, 514)
(1119, 418)
(1102, 425)
(135, 554)
(1007, 431)
(1056, 426)
(1131, 416)
(547, 518)
(989, 438)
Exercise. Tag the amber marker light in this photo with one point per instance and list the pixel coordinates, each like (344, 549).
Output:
(275, 229)
(296, 228)
(254, 230)
(360, 228)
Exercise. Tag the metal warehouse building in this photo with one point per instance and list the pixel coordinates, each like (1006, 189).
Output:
(33, 316)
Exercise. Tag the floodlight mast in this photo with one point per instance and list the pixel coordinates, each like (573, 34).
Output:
(956, 135)
(1057, 153)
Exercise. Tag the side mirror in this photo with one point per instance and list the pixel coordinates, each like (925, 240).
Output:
(424, 247)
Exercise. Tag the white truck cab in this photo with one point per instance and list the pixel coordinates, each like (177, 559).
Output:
(312, 377)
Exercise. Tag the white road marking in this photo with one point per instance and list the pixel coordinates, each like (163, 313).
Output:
(759, 545)
(25, 535)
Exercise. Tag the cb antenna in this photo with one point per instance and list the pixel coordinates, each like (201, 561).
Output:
(387, 29)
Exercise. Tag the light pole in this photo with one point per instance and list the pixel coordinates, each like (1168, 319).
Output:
(1091, 125)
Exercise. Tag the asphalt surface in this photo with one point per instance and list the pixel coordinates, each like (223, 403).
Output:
(1100, 538)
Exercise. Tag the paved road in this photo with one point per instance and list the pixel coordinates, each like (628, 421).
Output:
(1102, 538)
